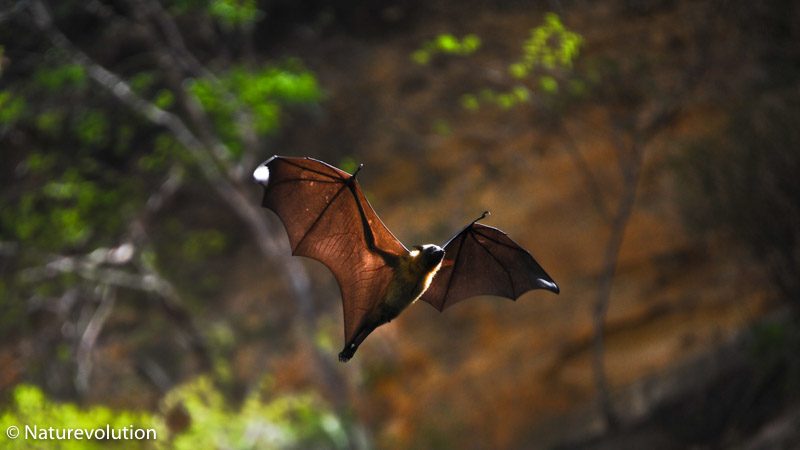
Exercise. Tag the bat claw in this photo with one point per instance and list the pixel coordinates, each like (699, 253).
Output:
(348, 352)
(345, 356)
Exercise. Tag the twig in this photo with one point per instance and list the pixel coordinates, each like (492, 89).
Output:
(592, 186)
(177, 45)
(137, 230)
(89, 338)
(611, 256)
(156, 374)
(630, 163)
(203, 147)
(123, 92)
(7, 11)
(232, 194)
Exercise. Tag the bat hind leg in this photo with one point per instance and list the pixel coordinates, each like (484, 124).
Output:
(352, 345)
(350, 348)
(348, 352)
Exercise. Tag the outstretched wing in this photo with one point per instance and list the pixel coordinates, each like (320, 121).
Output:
(328, 218)
(482, 260)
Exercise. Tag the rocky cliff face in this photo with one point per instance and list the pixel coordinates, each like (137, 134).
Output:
(554, 178)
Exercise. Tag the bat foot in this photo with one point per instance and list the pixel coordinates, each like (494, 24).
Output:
(347, 353)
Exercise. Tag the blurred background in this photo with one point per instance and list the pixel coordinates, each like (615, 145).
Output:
(647, 152)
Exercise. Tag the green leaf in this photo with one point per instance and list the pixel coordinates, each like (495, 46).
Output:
(232, 13)
(142, 81)
(164, 99)
(11, 107)
(470, 102)
(447, 43)
(470, 43)
(61, 77)
(50, 121)
(518, 70)
(261, 93)
(521, 93)
(548, 84)
(421, 57)
(92, 127)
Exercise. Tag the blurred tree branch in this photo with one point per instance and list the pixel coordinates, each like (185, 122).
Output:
(630, 159)
(639, 129)
(89, 337)
(591, 184)
(195, 132)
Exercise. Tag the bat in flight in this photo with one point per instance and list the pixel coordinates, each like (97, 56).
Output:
(329, 219)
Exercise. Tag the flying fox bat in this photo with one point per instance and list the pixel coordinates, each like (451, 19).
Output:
(328, 219)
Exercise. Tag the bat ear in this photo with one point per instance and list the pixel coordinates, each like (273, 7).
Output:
(261, 175)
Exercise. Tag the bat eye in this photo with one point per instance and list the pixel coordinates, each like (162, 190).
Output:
(261, 175)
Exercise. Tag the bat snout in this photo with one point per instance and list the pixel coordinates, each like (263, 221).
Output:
(435, 255)
(433, 251)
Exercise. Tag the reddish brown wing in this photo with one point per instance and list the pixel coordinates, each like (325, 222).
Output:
(482, 260)
(328, 218)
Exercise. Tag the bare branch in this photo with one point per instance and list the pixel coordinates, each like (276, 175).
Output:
(101, 10)
(8, 248)
(181, 53)
(174, 38)
(611, 256)
(209, 154)
(630, 162)
(156, 374)
(89, 338)
(137, 231)
(592, 186)
(88, 267)
(123, 92)
(8, 11)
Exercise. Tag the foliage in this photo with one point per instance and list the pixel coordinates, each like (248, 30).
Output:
(66, 211)
(548, 56)
(550, 46)
(31, 407)
(232, 13)
(83, 168)
(286, 421)
(446, 44)
(11, 107)
(262, 92)
(208, 421)
(60, 76)
(228, 13)
(73, 193)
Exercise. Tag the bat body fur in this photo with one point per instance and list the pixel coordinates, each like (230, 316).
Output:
(328, 218)
(413, 274)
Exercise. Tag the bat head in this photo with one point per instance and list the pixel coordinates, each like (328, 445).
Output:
(431, 255)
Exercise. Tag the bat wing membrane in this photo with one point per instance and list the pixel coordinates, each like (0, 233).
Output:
(482, 260)
(328, 219)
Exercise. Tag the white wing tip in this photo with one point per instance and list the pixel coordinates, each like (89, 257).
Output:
(261, 175)
(549, 285)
